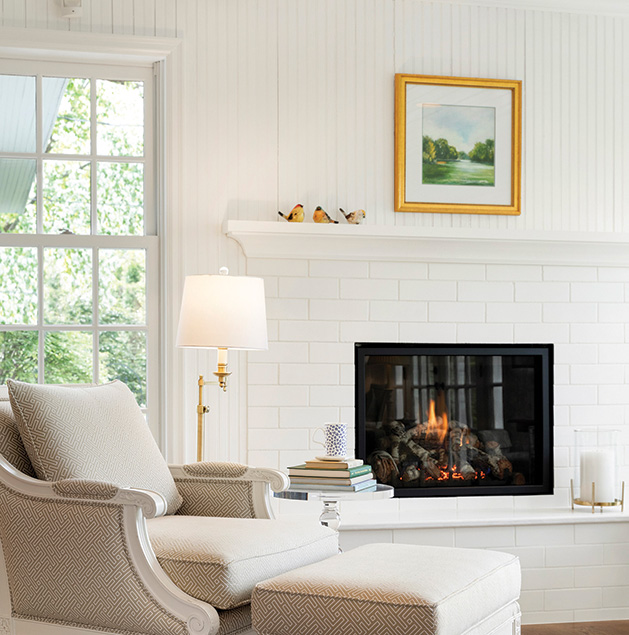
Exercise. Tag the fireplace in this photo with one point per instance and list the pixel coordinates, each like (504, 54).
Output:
(456, 419)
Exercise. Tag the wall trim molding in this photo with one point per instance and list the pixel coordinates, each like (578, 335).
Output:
(480, 518)
(91, 47)
(268, 239)
(601, 7)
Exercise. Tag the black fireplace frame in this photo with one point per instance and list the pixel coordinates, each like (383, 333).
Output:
(546, 354)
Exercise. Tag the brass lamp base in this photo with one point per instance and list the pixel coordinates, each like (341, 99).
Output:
(201, 410)
(222, 375)
(618, 502)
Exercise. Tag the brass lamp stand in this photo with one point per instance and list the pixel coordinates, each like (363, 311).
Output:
(222, 312)
(222, 375)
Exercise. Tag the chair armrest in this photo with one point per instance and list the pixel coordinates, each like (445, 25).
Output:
(151, 503)
(227, 489)
(68, 542)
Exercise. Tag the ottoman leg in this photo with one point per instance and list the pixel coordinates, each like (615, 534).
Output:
(517, 624)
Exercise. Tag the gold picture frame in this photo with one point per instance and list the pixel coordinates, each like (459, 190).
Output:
(483, 178)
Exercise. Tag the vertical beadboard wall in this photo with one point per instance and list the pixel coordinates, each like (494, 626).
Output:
(274, 102)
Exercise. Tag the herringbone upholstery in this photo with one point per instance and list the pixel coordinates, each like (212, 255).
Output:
(389, 589)
(220, 469)
(11, 446)
(94, 433)
(235, 620)
(220, 560)
(229, 499)
(47, 540)
(75, 488)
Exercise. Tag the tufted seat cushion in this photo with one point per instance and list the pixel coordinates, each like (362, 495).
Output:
(393, 589)
(220, 560)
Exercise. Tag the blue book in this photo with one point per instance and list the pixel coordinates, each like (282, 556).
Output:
(359, 487)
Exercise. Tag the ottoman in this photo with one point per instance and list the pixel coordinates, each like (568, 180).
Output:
(394, 589)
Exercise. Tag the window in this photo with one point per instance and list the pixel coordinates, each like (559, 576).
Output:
(78, 244)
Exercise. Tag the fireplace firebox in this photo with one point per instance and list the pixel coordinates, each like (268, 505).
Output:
(456, 419)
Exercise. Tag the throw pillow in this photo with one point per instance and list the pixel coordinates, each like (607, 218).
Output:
(94, 433)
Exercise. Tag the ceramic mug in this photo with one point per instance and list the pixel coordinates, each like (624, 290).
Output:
(335, 439)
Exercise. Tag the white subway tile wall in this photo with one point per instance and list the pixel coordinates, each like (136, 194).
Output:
(570, 572)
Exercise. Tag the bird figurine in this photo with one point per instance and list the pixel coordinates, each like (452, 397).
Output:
(296, 214)
(321, 216)
(354, 218)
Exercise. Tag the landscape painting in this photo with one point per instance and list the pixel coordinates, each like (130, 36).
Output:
(458, 145)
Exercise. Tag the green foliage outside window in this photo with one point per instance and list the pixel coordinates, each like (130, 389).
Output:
(68, 273)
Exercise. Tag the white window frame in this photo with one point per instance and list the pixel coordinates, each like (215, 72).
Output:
(54, 50)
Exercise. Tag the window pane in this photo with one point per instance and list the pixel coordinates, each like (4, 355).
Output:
(67, 286)
(66, 197)
(121, 198)
(68, 357)
(122, 355)
(122, 282)
(66, 114)
(120, 114)
(17, 113)
(18, 285)
(18, 356)
(18, 204)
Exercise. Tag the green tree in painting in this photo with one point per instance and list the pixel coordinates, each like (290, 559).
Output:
(483, 152)
(428, 149)
(439, 150)
(442, 149)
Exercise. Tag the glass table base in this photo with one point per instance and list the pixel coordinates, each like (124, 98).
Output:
(331, 514)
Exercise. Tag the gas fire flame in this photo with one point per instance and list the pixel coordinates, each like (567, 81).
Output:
(437, 430)
(436, 427)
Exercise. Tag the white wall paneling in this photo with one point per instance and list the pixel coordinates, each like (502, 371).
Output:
(275, 102)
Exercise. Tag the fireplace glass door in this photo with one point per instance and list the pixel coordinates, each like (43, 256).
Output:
(456, 420)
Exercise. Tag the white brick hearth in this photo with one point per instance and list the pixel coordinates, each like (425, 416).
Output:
(575, 565)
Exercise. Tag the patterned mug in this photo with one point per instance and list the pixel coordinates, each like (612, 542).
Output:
(335, 439)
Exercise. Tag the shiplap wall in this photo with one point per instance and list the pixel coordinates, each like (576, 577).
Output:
(273, 102)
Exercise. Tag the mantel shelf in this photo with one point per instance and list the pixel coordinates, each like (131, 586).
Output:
(268, 239)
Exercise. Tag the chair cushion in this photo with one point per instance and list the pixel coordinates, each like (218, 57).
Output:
(11, 446)
(220, 560)
(93, 433)
(389, 589)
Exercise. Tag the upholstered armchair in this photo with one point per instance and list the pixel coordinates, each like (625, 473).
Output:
(89, 554)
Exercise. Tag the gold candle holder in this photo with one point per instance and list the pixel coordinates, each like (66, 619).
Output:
(593, 503)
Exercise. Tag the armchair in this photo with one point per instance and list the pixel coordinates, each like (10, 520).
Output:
(88, 554)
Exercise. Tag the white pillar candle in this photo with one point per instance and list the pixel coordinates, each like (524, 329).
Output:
(598, 467)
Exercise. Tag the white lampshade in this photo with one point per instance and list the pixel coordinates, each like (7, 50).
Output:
(221, 311)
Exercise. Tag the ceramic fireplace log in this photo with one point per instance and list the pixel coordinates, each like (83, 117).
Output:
(402, 437)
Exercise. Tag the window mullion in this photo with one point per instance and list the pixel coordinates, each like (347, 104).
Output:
(94, 231)
(95, 313)
(94, 164)
(40, 314)
(39, 136)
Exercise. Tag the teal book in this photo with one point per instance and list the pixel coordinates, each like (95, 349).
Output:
(315, 480)
(365, 486)
(303, 470)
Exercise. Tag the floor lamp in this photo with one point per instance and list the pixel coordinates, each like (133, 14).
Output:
(223, 312)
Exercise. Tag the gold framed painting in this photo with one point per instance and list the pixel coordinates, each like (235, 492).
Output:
(458, 145)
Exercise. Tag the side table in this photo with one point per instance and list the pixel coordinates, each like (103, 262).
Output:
(330, 516)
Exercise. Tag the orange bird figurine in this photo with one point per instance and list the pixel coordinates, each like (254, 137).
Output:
(354, 218)
(296, 214)
(321, 216)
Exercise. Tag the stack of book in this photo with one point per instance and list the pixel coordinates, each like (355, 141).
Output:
(348, 475)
